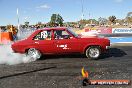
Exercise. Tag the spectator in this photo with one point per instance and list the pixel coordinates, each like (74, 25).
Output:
(14, 32)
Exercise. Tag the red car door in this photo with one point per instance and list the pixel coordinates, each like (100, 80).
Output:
(44, 42)
(67, 46)
(46, 46)
(65, 43)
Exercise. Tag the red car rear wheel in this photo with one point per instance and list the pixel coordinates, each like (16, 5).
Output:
(34, 53)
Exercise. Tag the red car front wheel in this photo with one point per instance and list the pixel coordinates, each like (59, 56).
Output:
(93, 52)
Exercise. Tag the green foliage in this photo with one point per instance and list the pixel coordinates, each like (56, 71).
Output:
(102, 21)
(26, 24)
(56, 20)
(129, 20)
(112, 19)
(90, 21)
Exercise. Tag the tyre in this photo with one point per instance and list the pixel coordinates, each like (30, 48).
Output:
(93, 52)
(34, 54)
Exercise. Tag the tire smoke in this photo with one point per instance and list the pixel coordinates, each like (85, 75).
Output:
(8, 57)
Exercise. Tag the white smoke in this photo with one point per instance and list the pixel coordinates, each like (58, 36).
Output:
(6, 54)
(24, 33)
(8, 57)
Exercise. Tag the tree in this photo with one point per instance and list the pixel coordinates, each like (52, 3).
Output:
(102, 21)
(53, 20)
(129, 20)
(93, 21)
(59, 20)
(120, 21)
(39, 23)
(112, 19)
(26, 24)
(84, 21)
(56, 20)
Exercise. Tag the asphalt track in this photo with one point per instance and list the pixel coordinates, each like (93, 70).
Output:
(64, 71)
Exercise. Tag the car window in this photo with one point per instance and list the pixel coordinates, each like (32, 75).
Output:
(61, 34)
(71, 31)
(43, 35)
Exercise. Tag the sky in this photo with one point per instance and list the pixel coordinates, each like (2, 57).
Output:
(36, 11)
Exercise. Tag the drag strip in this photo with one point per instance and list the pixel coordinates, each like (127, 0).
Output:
(118, 37)
(22, 73)
(59, 71)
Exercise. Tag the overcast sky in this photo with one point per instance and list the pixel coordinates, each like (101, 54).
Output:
(71, 10)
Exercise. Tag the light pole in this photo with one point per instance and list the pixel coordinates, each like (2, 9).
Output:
(82, 17)
(82, 10)
(18, 22)
(18, 18)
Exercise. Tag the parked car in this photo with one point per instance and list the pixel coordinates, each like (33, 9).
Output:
(60, 40)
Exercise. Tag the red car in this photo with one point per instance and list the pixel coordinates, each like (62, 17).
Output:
(60, 40)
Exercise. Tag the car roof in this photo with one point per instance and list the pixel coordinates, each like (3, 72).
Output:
(54, 28)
